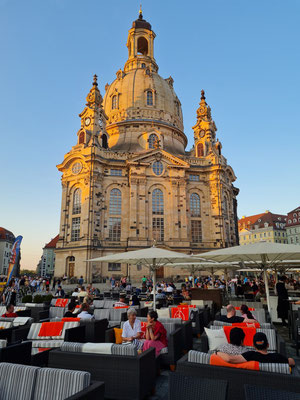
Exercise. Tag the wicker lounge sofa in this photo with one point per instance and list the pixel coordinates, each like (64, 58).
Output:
(196, 364)
(32, 383)
(126, 374)
(19, 353)
(196, 388)
(276, 342)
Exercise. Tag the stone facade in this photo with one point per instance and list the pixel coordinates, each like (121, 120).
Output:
(129, 181)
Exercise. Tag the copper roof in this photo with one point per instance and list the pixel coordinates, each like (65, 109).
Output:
(141, 23)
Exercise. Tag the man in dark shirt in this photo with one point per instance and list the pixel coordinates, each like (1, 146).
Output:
(261, 354)
(70, 312)
(232, 318)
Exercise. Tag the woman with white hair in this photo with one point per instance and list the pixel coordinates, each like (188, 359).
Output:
(132, 331)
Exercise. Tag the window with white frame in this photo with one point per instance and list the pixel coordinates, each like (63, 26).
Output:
(77, 201)
(158, 226)
(115, 202)
(114, 267)
(158, 229)
(114, 102)
(149, 98)
(75, 231)
(116, 172)
(114, 228)
(153, 140)
(196, 231)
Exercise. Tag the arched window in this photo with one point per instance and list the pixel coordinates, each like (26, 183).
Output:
(81, 138)
(153, 139)
(200, 150)
(115, 202)
(157, 202)
(142, 46)
(104, 141)
(115, 209)
(149, 98)
(114, 102)
(225, 208)
(158, 230)
(195, 205)
(77, 201)
(195, 215)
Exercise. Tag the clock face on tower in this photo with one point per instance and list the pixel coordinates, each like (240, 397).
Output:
(87, 121)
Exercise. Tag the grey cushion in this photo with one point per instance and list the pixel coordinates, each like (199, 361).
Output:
(124, 350)
(109, 303)
(271, 335)
(72, 347)
(101, 313)
(198, 357)
(17, 381)
(115, 314)
(274, 367)
(59, 384)
(55, 312)
(98, 303)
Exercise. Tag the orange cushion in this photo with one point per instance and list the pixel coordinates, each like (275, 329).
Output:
(51, 328)
(143, 327)
(249, 308)
(118, 335)
(70, 319)
(61, 302)
(249, 333)
(216, 360)
(182, 313)
(247, 324)
(122, 307)
(187, 305)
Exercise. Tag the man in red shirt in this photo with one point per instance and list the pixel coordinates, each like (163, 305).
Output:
(10, 312)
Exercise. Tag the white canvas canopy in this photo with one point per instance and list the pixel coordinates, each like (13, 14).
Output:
(263, 254)
(153, 257)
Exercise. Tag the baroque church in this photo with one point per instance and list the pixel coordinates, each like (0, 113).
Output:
(129, 182)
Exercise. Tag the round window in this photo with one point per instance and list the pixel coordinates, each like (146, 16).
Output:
(76, 168)
(157, 167)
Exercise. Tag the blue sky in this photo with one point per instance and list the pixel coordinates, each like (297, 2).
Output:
(244, 54)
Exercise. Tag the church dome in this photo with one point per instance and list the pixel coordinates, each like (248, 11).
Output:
(140, 102)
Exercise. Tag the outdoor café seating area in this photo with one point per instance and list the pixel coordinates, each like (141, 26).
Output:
(46, 346)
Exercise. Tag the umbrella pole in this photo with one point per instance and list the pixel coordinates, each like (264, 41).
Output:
(267, 289)
(154, 283)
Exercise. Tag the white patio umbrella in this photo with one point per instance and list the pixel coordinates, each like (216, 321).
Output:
(212, 267)
(154, 257)
(263, 254)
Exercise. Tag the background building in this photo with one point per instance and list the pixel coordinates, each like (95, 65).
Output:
(7, 239)
(46, 265)
(293, 226)
(267, 227)
(129, 180)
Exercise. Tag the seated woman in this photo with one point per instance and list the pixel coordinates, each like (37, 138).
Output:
(245, 312)
(235, 345)
(132, 331)
(156, 335)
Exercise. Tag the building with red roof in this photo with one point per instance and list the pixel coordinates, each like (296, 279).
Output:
(47, 264)
(265, 226)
